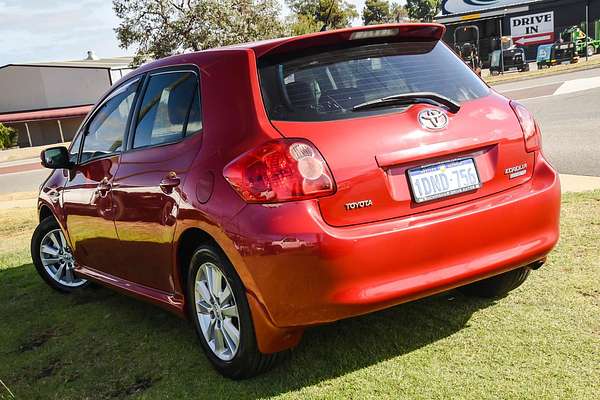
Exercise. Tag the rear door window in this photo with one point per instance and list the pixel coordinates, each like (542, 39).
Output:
(170, 109)
(327, 83)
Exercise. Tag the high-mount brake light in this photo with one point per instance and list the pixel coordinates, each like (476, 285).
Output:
(374, 33)
(280, 170)
(531, 130)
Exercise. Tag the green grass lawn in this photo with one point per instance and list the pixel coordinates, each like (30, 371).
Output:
(542, 341)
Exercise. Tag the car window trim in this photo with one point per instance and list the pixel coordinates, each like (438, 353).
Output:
(85, 126)
(134, 121)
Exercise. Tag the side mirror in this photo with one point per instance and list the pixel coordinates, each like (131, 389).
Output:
(56, 158)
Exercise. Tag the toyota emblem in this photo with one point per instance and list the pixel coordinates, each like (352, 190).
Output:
(433, 119)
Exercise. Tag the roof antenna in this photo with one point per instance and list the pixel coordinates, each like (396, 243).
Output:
(324, 28)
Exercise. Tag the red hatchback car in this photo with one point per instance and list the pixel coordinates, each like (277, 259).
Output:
(264, 188)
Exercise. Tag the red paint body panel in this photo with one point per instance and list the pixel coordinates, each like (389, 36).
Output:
(369, 156)
(345, 271)
(309, 262)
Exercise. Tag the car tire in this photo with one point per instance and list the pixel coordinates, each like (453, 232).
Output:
(590, 50)
(247, 360)
(497, 286)
(58, 274)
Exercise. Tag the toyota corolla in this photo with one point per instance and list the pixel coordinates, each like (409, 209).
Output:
(265, 188)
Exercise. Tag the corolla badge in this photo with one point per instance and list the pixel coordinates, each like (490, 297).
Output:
(433, 119)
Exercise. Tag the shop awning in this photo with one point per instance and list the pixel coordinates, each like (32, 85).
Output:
(51, 114)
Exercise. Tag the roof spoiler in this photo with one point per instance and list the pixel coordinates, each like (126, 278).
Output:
(395, 32)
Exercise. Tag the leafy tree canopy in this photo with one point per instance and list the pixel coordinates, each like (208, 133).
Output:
(423, 10)
(8, 137)
(158, 28)
(398, 12)
(376, 12)
(311, 15)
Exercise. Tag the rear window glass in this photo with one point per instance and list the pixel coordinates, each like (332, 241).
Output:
(327, 84)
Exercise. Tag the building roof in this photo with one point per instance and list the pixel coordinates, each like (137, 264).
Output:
(102, 63)
(54, 113)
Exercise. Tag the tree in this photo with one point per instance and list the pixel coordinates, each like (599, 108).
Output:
(398, 12)
(423, 10)
(311, 15)
(376, 12)
(159, 28)
(8, 137)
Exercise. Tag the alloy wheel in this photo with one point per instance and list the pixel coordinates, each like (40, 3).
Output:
(217, 311)
(58, 260)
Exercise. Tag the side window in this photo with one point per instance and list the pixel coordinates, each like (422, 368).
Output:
(170, 109)
(74, 149)
(194, 124)
(106, 129)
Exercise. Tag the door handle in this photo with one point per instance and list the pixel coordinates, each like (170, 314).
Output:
(169, 182)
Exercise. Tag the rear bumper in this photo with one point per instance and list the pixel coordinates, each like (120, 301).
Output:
(341, 272)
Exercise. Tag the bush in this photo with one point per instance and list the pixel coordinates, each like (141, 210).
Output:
(8, 137)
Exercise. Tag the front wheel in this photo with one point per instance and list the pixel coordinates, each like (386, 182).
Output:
(497, 286)
(219, 309)
(53, 259)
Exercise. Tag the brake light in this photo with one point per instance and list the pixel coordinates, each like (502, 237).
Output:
(531, 130)
(280, 170)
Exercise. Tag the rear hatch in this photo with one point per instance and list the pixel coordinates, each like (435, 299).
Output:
(313, 94)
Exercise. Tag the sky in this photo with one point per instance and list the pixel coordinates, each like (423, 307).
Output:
(58, 30)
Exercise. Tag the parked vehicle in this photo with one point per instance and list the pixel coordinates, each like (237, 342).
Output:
(583, 47)
(556, 53)
(402, 172)
(468, 49)
(510, 58)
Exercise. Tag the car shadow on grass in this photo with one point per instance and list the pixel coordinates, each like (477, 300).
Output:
(100, 344)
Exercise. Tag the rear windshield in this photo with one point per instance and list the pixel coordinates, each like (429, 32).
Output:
(327, 83)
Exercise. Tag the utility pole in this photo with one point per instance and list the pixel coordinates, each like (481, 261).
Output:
(501, 20)
(587, 27)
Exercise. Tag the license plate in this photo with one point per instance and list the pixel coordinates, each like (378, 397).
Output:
(444, 179)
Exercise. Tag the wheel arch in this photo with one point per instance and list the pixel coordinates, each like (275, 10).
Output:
(188, 241)
(270, 338)
(192, 237)
(44, 212)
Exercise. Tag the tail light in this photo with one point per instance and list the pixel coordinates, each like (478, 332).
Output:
(531, 130)
(280, 170)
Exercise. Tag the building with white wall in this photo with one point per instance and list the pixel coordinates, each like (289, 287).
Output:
(46, 102)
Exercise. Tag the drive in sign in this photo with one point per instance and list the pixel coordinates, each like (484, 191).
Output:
(533, 28)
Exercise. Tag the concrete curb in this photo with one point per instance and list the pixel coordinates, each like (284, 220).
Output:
(579, 183)
(546, 73)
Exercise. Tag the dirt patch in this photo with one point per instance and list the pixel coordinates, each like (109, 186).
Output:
(140, 385)
(37, 340)
(49, 369)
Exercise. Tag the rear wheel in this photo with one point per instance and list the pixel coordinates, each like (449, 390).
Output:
(53, 259)
(591, 50)
(219, 309)
(499, 285)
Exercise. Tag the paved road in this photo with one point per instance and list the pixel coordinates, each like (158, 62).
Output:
(570, 125)
(28, 181)
(570, 122)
